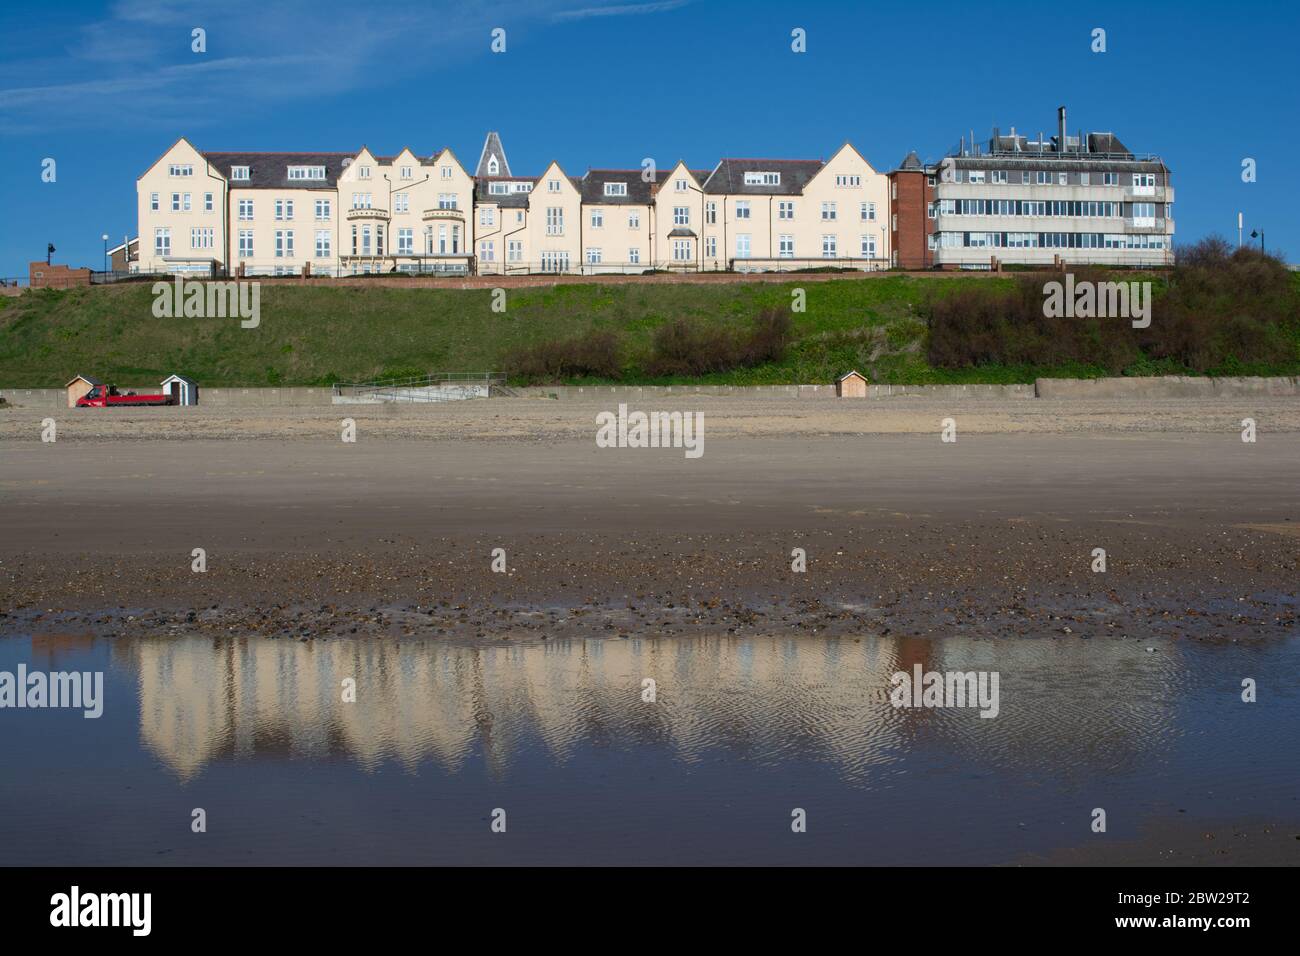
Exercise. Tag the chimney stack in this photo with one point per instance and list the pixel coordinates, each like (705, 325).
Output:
(1060, 122)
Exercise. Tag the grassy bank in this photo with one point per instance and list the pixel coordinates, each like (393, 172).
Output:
(314, 335)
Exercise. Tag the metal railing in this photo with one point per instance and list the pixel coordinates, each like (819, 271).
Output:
(431, 387)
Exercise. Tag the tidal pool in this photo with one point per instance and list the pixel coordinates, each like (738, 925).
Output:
(560, 736)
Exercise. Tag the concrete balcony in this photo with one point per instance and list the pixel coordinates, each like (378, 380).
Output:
(1028, 223)
(453, 215)
(368, 214)
(1146, 224)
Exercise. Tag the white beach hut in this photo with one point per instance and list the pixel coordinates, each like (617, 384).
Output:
(184, 390)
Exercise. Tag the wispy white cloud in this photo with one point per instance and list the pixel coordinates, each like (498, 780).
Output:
(134, 68)
(621, 10)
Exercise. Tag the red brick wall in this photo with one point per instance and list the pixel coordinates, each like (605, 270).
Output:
(910, 198)
(40, 275)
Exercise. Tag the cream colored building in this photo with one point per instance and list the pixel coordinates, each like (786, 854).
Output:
(237, 213)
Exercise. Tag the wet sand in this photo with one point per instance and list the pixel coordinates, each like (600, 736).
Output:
(992, 535)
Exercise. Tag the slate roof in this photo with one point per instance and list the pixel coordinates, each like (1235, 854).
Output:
(729, 176)
(492, 147)
(1106, 143)
(1069, 162)
(639, 193)
(911, 161)
(271, 170)
(511, 200)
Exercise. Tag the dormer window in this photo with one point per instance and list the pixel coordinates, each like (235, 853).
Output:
(498, 189)
(494, 168)
(615, 189)
(239, 172)
(307, 172)
(761, 178)
(523, 187)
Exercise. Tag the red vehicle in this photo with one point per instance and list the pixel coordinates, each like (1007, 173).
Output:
(107, 396)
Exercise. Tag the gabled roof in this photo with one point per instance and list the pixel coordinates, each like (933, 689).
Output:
(85, 378)
(492, 148)
(729, 176)
(271, 170)
(851, 374)
(178, 377)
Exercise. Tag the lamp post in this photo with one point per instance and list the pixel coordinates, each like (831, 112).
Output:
(105, 238)
(1258, 234)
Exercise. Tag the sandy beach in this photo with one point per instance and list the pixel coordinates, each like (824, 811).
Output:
(993, 534)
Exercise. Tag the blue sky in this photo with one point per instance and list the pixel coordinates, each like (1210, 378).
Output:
(105, 88)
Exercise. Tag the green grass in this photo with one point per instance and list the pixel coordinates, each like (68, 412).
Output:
(317, 335)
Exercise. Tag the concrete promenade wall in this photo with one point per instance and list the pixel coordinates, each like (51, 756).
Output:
(219, 397)
(1167, 386)
(1051, 388)
(624, 392)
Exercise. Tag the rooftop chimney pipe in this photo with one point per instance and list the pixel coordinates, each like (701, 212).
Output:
(1060, 122)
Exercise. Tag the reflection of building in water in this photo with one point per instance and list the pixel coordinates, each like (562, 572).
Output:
(772, 698)
(50, 649)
